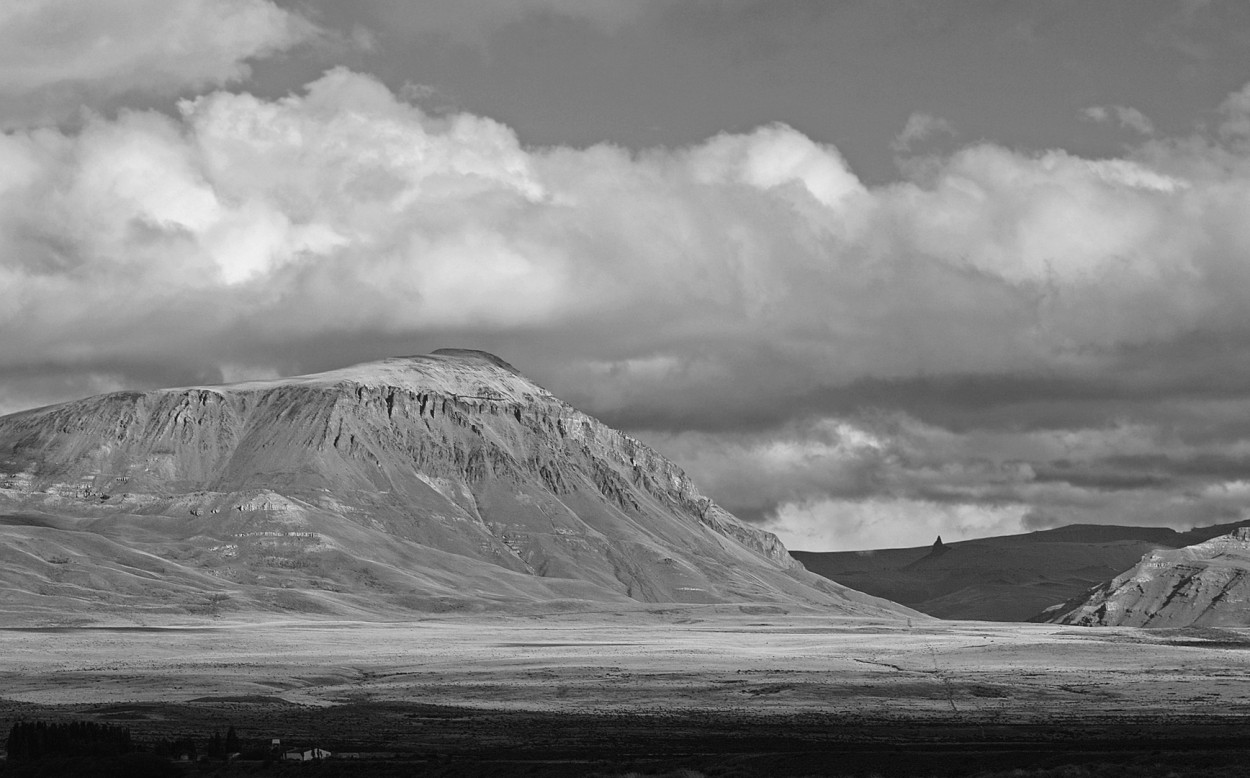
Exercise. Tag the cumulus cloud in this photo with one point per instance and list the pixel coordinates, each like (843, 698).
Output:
(57, 55)
(345, 209)
(1126, 117)
(1009, 336)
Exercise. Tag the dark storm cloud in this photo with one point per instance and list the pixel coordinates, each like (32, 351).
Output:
(1099, 477)
(969, 402)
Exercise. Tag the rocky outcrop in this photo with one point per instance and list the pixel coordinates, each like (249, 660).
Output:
(1206, 585)
(447, 478)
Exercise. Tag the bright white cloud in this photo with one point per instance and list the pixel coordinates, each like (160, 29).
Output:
(773, 157)
(344, 209)
(57, 55)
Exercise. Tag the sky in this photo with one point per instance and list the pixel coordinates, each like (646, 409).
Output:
(871, 271)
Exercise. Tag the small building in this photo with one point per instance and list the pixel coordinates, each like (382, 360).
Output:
(306, 755)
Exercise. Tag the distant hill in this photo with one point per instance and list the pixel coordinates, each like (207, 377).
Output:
(1006, 578)
(1202, 585)
(428, 483)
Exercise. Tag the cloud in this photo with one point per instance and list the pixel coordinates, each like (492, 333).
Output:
(883, 522)
(58, 55)
(471, 22)
(1008, 334)
(751, 474)
(27, 388)
(920, 126)
(1235, 116)
(1130, 118)
(887, 479)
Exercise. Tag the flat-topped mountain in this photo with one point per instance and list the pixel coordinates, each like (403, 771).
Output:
(433, 482)
(1203, 585)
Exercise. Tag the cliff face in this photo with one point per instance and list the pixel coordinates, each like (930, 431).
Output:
(438, 481)
(1205, 585)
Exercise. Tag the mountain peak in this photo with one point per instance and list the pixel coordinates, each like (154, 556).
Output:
(462, 373)
(474, 355)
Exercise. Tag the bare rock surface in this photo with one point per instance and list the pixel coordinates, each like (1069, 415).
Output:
(1203, 585)
(427, 483)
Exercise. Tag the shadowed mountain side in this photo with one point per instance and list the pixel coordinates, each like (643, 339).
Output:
(1203, 585)
(437, 482)
(1008, 578)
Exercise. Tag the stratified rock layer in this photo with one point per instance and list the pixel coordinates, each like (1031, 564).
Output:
(1204, 585)
(434, 482)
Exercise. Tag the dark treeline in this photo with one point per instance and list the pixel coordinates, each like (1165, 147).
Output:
(44, 740)
(41, 740)
(219, 748)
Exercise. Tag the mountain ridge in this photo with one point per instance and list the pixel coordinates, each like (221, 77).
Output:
(1005, 577)
(417, 474)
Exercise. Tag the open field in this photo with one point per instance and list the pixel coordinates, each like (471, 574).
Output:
(661, 686)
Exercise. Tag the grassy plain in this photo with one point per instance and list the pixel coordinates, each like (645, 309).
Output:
(717, 689)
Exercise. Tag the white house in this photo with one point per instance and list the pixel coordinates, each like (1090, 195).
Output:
(306, 755)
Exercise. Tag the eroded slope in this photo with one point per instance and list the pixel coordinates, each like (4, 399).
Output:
(431, 482)
(1205, 585)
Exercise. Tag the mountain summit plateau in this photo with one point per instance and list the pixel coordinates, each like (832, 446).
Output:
(426, 483)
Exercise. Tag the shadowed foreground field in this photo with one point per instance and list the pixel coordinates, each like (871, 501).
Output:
(711, 690)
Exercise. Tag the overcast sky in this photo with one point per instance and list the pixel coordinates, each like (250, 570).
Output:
(870, 270)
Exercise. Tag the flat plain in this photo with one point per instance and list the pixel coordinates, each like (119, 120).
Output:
(720, 689)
